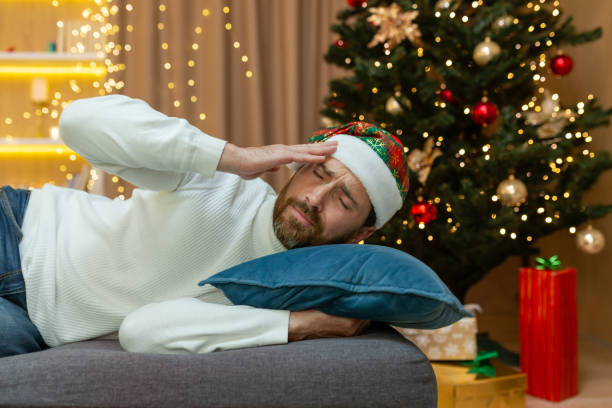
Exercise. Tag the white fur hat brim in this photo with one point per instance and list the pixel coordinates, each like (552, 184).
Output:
(373, 173)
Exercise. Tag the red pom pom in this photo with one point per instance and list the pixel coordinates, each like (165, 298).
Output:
(484, 113)
(423, 212)
(340, 43)
(561, 64)
(446, 95)
(10, 49)
(356, 3)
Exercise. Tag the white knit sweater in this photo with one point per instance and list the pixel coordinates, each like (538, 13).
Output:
(89, 261)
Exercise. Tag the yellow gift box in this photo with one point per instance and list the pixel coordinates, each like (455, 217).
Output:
(459, 389)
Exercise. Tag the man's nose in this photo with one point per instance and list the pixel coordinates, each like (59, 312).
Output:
(316, 196)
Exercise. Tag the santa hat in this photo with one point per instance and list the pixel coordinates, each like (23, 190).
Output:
(376, 158)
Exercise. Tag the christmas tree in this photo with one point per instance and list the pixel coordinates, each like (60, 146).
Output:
(497, 160)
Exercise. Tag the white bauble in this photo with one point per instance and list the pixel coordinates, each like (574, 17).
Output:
(590, 240)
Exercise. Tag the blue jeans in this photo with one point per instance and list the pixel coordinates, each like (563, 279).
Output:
(18, 334)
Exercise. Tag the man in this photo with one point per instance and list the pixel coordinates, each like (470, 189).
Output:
(92, 265)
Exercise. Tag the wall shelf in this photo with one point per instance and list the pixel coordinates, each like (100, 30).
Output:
(28, 146)
(50, 56)
(31, 64)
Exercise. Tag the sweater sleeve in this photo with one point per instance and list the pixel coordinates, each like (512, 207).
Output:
(189, 325)
(128, 138)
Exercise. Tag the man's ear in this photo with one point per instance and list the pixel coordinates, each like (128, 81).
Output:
(361, 234)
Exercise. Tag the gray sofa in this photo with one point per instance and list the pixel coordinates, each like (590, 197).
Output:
(376, 369)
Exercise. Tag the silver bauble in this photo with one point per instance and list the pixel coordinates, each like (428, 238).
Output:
(590, 240)
(512, 192)
(393, 106)
(502, 22)
(486, 51)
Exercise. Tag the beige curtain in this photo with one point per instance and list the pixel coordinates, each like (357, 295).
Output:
(284, 41)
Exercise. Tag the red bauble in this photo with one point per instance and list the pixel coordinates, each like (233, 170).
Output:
(340, 43)
(484, 113)
(561, 64)
(356, 3)
(423, 212)
(336, 104)
(446, 95)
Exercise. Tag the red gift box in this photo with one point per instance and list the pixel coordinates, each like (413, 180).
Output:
(549, 332)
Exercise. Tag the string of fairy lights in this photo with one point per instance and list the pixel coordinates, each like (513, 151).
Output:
(194, 47)
(96, 24)
(447, 9)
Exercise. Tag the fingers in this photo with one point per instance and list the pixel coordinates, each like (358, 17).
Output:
(259, 160)
(313, 153)
(307, 158)
(330, 145)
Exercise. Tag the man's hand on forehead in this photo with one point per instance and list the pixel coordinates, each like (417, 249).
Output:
(252, 162)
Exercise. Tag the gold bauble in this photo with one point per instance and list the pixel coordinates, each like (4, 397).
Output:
(486, 51)
(328, 122)
(502, 22)
(393, 106)
(590, 240)
(512, 192)
(406, 102)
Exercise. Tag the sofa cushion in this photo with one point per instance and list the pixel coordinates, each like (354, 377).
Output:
(378, 368)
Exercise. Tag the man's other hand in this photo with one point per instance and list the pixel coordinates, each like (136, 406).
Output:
(313, 324)
(252, 162)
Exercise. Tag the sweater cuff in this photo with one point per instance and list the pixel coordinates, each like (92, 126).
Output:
(207, 154)
(277, 330)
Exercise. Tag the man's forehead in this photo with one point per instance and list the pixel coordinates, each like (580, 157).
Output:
(338, 169)
(334, 165)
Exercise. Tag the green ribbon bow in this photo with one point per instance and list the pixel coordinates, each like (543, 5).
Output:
(482, 364)
(553, 263)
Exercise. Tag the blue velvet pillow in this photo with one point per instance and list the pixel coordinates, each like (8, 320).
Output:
(368, 282)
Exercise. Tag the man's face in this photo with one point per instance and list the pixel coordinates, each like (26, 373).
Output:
(322, 204)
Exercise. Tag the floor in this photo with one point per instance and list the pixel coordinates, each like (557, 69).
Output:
(594, 364)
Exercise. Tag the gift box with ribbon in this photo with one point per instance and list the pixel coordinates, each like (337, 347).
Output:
(479, 384)
(549, 329)
(454, 342)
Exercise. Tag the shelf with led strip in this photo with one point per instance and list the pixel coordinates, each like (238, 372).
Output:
(21, 145)
(31, 64)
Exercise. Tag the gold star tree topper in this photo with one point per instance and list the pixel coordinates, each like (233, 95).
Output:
(395, 25)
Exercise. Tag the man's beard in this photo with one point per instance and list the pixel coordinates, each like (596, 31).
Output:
(291, 232)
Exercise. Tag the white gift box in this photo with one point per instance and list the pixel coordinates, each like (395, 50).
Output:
(454, 342)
